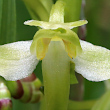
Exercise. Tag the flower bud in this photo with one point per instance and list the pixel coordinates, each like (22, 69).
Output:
(5, 96)
(31, 86)
(36, 93)
(15, 88)
(30, 78)
(5, 104)
(27, 92)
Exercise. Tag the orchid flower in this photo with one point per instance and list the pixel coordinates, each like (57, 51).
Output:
(19, 59)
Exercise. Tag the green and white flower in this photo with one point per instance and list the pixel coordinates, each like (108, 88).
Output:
(19, 59)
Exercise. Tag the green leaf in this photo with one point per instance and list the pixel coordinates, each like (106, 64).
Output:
(47, 4)
(7, 21)
(73, 79)
(103, 103)
(1, 2)
(37, 10)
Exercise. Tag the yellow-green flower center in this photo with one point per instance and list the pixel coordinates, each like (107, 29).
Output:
(55, 30)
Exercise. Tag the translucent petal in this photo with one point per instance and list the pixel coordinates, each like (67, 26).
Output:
(69, 37)
(76, 23)
(57, 13)
(39, 47)
(52, 25)
(70, 49)
(41, 24)
(94, 62)
(16, 61)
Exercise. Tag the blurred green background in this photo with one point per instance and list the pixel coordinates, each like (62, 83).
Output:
(97, 14)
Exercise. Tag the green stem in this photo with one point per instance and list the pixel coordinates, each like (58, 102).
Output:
(56, 75)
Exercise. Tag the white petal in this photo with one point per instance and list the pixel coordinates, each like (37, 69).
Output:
(94, 62)
(16, 61)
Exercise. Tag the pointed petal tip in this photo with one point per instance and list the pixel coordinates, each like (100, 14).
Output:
(85, 21)
(28, 22)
